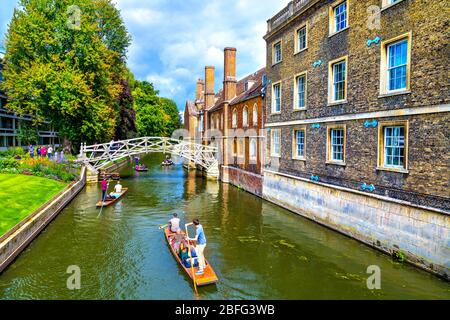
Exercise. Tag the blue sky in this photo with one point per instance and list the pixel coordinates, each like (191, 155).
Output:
(174, 39)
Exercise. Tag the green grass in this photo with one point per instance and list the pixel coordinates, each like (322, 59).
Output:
(21, 195)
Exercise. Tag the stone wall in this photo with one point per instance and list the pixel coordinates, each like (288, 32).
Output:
(246, 180)
(422, 234)
(17, 239)
(425, 182)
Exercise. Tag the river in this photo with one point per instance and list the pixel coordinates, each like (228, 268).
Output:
(258, 250)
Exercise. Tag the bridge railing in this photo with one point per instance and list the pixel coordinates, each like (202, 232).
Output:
(100, 155)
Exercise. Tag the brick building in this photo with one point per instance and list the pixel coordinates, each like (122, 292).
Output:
(231, 119)
(358, 108)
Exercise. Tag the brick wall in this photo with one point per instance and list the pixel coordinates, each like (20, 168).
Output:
(426, 182)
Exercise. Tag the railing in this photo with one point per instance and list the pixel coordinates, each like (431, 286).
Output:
(292, 8)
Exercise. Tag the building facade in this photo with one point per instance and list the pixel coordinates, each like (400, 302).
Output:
(357, 121)
(231, 120)
(10, 124)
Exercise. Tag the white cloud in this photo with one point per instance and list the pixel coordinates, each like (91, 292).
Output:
(173, 40)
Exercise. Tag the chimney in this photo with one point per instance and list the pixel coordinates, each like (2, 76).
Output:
(209, 86)
(199, 90)
(229, 73)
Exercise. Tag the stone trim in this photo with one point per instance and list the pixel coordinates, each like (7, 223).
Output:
(376, 196)
(366, 115)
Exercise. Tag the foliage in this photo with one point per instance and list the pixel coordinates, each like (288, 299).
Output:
(126, 127)
(27, 133)
(70, 76)
(399, 256)
(12, 152)
(155, 116)
(9, 163)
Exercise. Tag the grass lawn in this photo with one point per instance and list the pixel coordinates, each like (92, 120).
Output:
(20, 195)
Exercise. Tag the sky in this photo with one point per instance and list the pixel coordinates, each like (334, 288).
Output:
(173, 40)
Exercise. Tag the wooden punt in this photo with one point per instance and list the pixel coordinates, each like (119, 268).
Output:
(110, 202)
(164, 164)
(140, 169)
(209, 275)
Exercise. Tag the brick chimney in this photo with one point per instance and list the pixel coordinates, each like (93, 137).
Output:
(209, 86)
(200, 89)
(229, 73)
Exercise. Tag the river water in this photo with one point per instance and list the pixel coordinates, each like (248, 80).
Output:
(258, 250)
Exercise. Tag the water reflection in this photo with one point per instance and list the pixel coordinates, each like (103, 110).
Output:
(257, 249)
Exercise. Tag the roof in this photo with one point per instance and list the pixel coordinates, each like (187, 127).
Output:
(191, 108)
(241, 94)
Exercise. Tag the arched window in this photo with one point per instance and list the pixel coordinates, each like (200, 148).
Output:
(234, 120)
(255, 115)
(245, 117)
(253, 149)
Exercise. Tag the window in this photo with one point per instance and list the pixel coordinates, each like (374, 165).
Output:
(336, 144)
(221, 120)
(395, 65)
(388, 3)
(300, 91)
(301, 40)
(234, 119)
(253, 149)
(299, 144)
(276, 100)
(241, 147)
(393, 143)
(200, 125)
(245, 116)
(255, 114)
(235, 146)
(217, 121)
(338, 16)
(275, 143)
(277, 55)
(337, 81)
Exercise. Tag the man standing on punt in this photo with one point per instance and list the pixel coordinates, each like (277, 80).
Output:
(200, 247)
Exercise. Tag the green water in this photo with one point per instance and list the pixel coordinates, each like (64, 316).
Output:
(258, 250)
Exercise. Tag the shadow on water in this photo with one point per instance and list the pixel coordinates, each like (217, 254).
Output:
(259, 251)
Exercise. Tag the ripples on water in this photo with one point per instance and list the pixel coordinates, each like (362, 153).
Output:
(258, 250)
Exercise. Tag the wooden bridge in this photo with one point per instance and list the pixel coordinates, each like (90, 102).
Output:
(98, 156)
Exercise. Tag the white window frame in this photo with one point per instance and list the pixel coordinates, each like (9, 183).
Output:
(331, 84)
(272, 143)
(273, 107)
(255, 114)
(295, 144)
(297, 48)
(245, 117)
(296, 100)
(330, 153)
(274, 52)
(253, 152)
(389, 3)
(234, 118)
(381, 165)
(384, 63)
(332, 17)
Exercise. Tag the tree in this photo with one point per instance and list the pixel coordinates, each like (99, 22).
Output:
(27, 133)
(68, 73)
(155, 116)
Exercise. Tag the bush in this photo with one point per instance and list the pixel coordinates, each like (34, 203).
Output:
(12, 152)
(9, 163)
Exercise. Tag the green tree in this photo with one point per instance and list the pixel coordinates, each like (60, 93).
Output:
(155, 116)
(67, 71)
(27, 134)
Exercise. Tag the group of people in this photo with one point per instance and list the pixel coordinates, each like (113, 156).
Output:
(113, 195)
(181, 243)
(138, 165)
(46, 152)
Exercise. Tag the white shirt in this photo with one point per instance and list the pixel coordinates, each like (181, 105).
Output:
(175, 224)
(118, 188)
